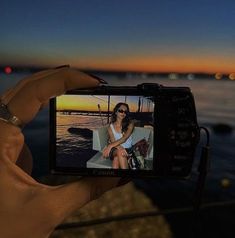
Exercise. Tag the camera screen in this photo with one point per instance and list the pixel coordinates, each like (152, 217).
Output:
(105, 132)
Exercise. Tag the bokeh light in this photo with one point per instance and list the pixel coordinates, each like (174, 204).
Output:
(8, 70)
(232, 76)
(218, 76)
(173, 76)
(190, 76)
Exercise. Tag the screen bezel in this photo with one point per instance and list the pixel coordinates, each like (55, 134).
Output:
(115, 91)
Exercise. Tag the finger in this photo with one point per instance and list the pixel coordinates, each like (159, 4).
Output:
(25, 160)
(43, 105)
(11, 142)
(65, 199)
(29, 99)
(124, 152)
(107, 153)
(7, 96)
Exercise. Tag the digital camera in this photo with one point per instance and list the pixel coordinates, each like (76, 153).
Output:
(160, 122)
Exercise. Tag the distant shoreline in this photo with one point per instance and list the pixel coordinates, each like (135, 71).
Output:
(120, 73)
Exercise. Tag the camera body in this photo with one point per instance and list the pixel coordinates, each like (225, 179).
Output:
(164, 118)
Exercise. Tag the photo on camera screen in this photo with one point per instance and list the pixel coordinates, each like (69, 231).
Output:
(88, 127)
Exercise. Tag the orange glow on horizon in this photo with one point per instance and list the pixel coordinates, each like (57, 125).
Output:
(185, 63)
(71, 102)
(98, 102)
(178, 64)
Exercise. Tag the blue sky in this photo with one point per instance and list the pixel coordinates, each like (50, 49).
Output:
(147, 35)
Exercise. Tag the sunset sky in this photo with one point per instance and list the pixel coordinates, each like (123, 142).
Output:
(137, 35)
(90, 103)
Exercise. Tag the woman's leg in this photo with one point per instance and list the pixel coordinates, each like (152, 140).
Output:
(115, 163)
(122, 160)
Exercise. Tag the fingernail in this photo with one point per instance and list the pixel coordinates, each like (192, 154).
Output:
(97, 78)
(62, 66)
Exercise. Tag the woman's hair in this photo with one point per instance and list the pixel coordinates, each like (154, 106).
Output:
(126, 120)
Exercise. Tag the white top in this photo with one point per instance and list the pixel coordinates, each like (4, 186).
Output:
(118, 135)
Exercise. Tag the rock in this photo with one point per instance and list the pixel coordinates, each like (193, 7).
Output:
(120, 201)
(221, 128)
(85, 132)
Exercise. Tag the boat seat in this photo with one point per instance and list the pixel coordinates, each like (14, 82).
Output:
(100, 140)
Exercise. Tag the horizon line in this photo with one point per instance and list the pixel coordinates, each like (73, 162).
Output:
(101, 70)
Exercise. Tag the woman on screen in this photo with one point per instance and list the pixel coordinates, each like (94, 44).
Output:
(120, 136)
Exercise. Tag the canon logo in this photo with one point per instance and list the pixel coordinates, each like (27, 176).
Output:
(105, 173)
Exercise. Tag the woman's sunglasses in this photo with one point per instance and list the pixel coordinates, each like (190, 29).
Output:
(122, 111)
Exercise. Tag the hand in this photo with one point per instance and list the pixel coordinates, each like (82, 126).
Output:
(123, 151)
(106, 151)
(30, 206)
